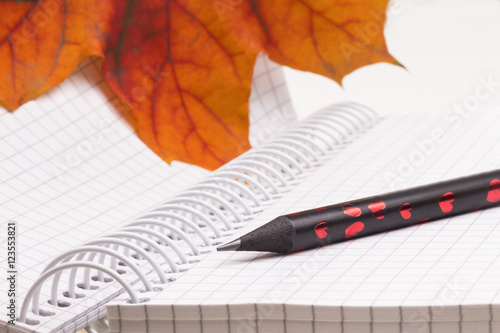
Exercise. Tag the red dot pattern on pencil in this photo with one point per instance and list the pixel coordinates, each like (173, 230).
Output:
(377, 208)
(351, 211)
(405, 210)
(353, 229)
(320, 229)
(494, 192)
(445, 202)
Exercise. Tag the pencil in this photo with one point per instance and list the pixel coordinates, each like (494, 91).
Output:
(371, 215)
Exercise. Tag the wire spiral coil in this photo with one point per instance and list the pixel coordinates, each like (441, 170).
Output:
(158, 244)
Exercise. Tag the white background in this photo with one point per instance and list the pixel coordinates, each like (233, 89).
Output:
(445, 46)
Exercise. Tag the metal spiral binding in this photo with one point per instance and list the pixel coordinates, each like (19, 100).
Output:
(177, 232)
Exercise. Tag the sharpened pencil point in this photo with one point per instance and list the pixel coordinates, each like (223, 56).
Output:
(231, 246)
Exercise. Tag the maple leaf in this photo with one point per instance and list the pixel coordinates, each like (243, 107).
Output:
(184, 67)
(42, 42)
(328, 37)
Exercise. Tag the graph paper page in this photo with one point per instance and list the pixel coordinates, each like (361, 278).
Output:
(73, 169)
(413, 266)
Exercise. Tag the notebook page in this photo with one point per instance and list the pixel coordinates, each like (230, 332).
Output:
(73, 169)
(446, 263)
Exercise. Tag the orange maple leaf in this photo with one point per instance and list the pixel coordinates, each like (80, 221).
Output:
(42, 42)
(183, 66)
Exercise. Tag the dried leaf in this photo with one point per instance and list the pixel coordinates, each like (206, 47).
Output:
(184, 66)
(185, 77)
(42, 42)
(328, 37)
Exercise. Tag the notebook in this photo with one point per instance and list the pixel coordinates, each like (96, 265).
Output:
(112, 206)
(438, 276)
(72, 169)
(81, 190)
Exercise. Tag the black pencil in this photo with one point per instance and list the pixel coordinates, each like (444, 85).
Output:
(367, 216)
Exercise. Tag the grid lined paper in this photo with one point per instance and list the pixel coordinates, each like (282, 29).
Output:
(433, 277)
(72, 169)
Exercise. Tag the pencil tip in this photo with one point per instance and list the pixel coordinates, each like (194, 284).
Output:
(231, 246)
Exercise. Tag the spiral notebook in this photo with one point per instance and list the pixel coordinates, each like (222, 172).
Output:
(440, 276)
(75, 172)
(158, 271)
(72, 169)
